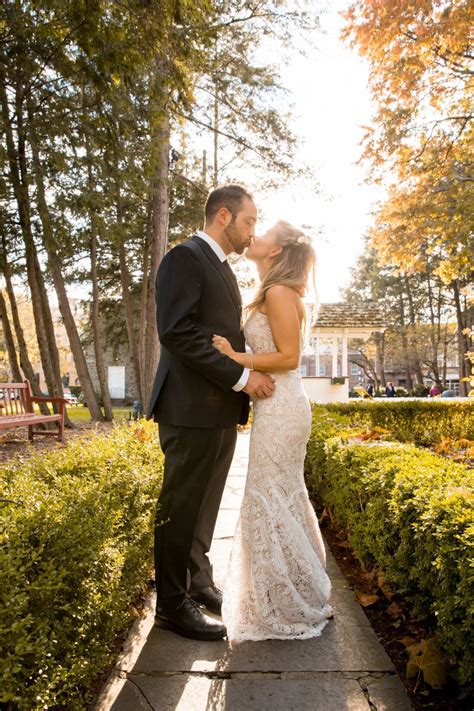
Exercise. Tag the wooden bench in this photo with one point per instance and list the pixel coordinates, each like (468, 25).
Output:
(17, 410)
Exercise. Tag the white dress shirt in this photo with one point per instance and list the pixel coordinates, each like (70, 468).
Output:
(221, 255)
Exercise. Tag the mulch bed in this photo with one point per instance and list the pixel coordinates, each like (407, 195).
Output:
(15, 446)
(393, 621)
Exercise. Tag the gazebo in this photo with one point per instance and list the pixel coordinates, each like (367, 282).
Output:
(324, 364)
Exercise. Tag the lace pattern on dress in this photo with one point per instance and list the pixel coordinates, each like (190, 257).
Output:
(276, 586)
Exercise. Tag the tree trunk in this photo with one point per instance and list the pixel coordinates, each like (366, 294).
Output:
(54, 264)
(403, 336)
(435, 330)
(55, 386)
(215, 177)
(368, 367)
(9, 341)
(144, 302)
(99, 354)
(126, 299)
(380, 354)
(414, 348)
(463, 340)
(25, 363)
(98, 349)
(159, 241)
(19, 179)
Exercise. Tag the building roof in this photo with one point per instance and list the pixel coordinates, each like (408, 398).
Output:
(363, 314)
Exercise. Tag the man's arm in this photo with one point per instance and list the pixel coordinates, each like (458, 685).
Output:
(178, 291)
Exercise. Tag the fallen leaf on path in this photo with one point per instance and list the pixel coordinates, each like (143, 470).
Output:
(407, 641)
(424, 658)
(343, 544)
(395, 610)
(366, 600)
(384, 586)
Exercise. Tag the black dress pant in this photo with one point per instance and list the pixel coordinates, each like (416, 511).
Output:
(197, 461)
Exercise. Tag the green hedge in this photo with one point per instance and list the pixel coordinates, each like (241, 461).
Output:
(409, 511)
(424, 422)
(75, 550)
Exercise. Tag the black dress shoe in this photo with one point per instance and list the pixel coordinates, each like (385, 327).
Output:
(211, 598)
(189, 621)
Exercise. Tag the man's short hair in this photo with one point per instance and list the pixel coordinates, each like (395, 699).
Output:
(229, 196)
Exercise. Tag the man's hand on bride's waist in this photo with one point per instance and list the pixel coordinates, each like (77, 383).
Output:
(259, 385)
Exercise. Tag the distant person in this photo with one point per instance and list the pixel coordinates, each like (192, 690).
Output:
(390, 390)
(435, 390)
(370, 389)
(448, 393)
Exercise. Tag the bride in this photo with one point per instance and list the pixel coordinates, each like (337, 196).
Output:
(276, 585)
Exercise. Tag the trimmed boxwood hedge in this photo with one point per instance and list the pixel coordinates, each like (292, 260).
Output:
(75, 549)
(424, 422)
(410, 512)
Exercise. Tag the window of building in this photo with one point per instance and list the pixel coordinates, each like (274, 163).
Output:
(354, 369)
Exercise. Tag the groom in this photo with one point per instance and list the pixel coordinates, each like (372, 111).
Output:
(198, 397)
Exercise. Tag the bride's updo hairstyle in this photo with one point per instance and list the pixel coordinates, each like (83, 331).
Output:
(291, 267)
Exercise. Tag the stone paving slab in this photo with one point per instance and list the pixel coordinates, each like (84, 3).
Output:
(226, 523)
(343, 646)
(338, 581)
(346, 608)
(193, 693)
(220, 554)
(341, 670)
(388, 694)
(231, 500)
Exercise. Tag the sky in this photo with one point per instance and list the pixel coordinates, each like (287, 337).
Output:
(329, 90)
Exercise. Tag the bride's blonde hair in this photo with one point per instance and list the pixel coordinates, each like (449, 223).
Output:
(291, 267)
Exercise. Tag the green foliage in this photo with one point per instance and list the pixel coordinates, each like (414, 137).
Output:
(420, 390)
(423, 423)
(75, 549)
(411, 513)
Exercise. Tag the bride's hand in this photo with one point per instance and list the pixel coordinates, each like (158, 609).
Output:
(223, 346)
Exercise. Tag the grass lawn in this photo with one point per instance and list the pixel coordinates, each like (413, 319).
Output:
(78, 413)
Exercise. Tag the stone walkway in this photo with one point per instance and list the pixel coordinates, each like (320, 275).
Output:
(344, 669)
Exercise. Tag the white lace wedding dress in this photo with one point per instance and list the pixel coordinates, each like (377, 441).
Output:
(276, 585)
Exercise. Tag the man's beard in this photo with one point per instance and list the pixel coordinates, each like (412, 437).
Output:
(233, 237)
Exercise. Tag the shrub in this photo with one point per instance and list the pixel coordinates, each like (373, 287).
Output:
(401, 392)
(411, 512)
(423, 422)
(420, 390)
(75, 550)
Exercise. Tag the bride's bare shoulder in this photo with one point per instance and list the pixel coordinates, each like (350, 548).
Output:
(281, 292)
(281, 298)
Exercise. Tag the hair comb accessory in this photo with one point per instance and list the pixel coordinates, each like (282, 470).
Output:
(303, 239)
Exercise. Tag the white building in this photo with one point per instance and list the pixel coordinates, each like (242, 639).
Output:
(325, 369)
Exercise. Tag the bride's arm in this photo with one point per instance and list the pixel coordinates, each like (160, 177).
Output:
(281, 305)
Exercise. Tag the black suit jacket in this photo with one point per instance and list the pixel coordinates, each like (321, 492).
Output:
(197, 297)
